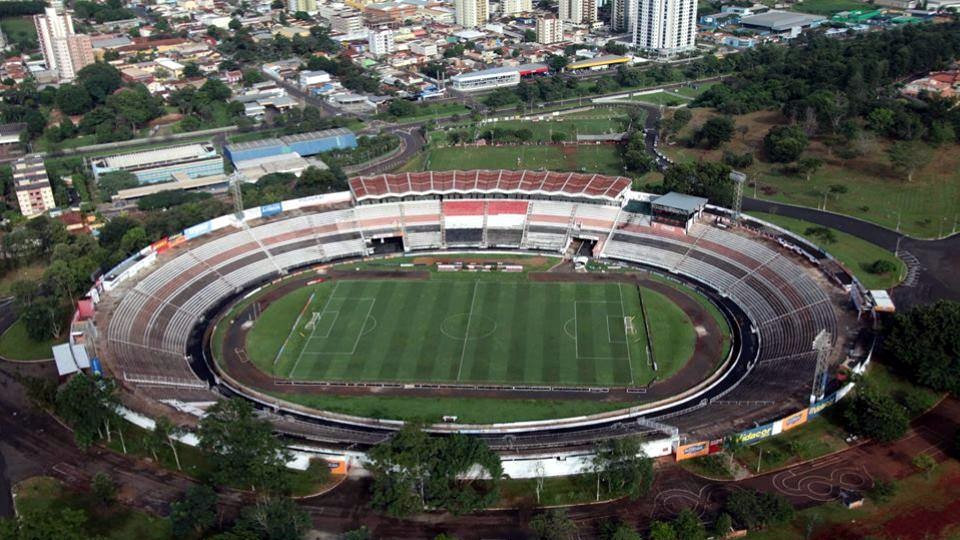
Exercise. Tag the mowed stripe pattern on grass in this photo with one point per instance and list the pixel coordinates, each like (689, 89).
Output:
(468, 331)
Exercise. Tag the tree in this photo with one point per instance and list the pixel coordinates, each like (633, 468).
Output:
(612, 47)
(661, 530)
(785, 143)
(401, 107)
(413, 470)
(703, 179)
(88, 406)
(808, 166)
(688, 526)
(723, 525)
(191, 70)
(195, 513)
(136, 105)
(924, 346)
(875, 414)
(112, 182)
(556, 62)
(273, 519)
(676, 121)
(837, 189)
(880, 120)
(103, 488)
(635, 156)
(529, 36)
(36, 523)
(752, 509)
(73, 99)
(165, 431)
(907, 157)
(715, 132)
(100, 80)
(43, 319)
(245, 449)
(825, 234)
(554, 524)
(620, 465)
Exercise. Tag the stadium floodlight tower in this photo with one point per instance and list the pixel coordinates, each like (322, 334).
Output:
(821, 345)
(236, 192)
(739, 179)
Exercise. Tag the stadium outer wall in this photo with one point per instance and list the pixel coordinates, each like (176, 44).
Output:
(378, 425)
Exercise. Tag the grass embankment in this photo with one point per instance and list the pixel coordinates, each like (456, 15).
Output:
(855, 253)
(15, 344)
(876, 192)
(114, 522)
(671, 332)
(603, 159)
(830, 7)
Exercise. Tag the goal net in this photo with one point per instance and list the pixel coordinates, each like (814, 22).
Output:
(629, 326)
(313, 321)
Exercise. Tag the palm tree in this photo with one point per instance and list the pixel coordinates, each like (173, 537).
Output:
(166, 431)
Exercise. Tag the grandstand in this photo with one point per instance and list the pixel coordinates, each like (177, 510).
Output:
(154, 307)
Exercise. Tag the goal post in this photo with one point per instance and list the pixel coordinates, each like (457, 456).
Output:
(628, 325)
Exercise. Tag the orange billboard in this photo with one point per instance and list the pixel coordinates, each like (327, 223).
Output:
(794, 420)
(692, 450)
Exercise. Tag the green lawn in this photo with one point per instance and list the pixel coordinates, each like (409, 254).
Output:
(15, 344)
(431, 110)
(544, 129)
(693, 91)
(19, 30)
(462, 330)
(671, 332)
(467, 410)
(604, 159)
(661, 98)
(115, 522)
(830, 7)
(856, 254)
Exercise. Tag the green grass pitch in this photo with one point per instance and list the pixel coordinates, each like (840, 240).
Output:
(468, 331)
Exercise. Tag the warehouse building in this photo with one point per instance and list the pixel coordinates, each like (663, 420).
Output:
(304, 144)
(601, 62)
(488, 79)
(152, 166)
(780, 22)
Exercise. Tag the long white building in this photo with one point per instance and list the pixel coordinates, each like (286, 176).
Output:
(509, 7)
(472, 13)
(662, 26)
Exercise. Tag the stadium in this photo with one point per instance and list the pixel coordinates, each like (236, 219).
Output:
(541, 311)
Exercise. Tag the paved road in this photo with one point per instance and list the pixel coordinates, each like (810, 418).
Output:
(932, 264)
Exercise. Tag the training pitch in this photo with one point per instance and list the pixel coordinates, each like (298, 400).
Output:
(466, 331)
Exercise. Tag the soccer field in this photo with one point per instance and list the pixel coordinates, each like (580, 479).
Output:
(468, 331)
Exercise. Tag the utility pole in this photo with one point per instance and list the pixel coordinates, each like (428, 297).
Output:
(738, 179)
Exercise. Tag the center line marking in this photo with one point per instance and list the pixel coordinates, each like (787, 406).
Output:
(466, 333)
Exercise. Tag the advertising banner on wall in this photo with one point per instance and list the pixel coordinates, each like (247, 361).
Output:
(197, 230)
(692, 450)
(759, 433)
(794, 420)
(268, 210)
(819, 406)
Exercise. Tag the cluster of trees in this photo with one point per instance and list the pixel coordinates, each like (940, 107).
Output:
(110, 10)
(199, 106)
(350, 74)
(21, 8)
(714, 132)
(634, 154)
(836, 87)
(243, 49)
(559, 86)
(704, 179)
(276, 187)
(110, 111)
(923, 345)
(875, 414)
(368, 147)
(414, 471)
(507, 135)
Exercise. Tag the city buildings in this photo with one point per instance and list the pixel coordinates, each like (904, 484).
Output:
(549, 30)
(32, 186)
(471, 13)
(578, 11)
(509, 7)
(619, 19)
(343, 20)
(309, 6)
(64, 52)
(380, 41)
(495, 78)
(662, 26)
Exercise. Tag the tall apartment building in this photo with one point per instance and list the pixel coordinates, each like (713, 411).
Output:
(663, 26)
(549, 30)
(509, 7)
(64, 51)
(578, 11)
(472, 13)
(32, 186)
(308, 6)
(619, 15)
(380, 41)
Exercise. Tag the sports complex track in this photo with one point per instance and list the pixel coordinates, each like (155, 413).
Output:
(775, 299)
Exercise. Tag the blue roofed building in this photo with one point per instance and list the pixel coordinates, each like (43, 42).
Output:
(303, 144)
